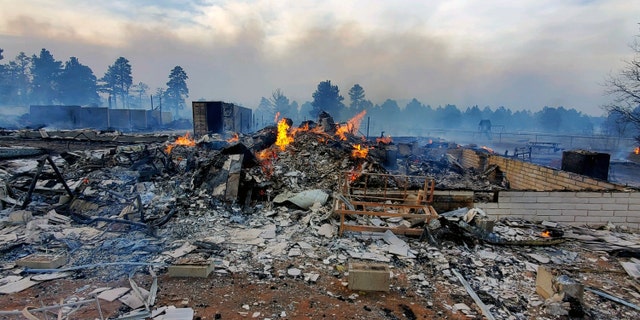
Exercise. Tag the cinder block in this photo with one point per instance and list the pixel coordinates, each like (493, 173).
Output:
(588, 206)
(369, 277)
(190, 270)
(574, 213)
(615, 207)
(42, 261)
(620, 194)
(602, 200)
(600, 213)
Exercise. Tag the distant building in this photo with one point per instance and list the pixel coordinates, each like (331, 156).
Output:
(76, 117)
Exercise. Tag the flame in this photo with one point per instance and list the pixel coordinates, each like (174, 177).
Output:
(636, 150)
(234, 138)
(283, 139)
(384, 140)
(545, 234)
(487, 148)
(359, 151)
(353, 175)
(351, 126)
(267, 157)
(275, 119)
(265, 154)
(185, 140)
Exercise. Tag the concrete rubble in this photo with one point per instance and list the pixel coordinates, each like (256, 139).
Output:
(138, 209)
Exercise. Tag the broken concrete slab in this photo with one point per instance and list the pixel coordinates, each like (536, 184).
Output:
(184, 249)
(17, 286)
(113, 294)
(633, 269)
(133, 300)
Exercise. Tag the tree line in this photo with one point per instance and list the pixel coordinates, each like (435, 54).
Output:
(414, 117)
(42, 80)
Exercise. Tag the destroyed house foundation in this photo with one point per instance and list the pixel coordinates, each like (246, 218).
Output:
(540, 193)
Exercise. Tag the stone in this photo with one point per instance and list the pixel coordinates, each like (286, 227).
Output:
(294, 272)
(326, 230)
(295, 252)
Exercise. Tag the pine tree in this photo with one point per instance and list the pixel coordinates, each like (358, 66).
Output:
(177, 90)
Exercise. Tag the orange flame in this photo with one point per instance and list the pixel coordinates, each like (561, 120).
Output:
(234, 138)
(545, 234)
(359, 151)
(267, 158)
(351, 126)
(283, 139)
(185, 140)
(636, 150)
(384, 140)
(353, 175)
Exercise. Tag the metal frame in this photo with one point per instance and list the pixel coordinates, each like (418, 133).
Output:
(389, 196)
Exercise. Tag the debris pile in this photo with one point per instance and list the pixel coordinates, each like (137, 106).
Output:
(262, 207)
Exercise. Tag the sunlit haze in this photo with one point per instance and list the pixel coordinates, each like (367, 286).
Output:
(517, 54)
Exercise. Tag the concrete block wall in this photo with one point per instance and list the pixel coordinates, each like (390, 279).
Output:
(577, 208)
(528, 176)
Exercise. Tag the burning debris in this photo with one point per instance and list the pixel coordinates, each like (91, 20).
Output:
(289, 207)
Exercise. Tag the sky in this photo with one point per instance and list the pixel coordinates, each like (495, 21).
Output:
(523, 54)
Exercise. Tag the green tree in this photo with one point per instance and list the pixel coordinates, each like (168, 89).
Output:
(624, 87)
(356, 95)
(327, 98)
(4, 80)
(78, 84)
(21, 78)
(140, 90)
(46, 72)
(265, 113)
(448, 117)
(177, 90)
(281, 104)
(117, 81)
(549, 119)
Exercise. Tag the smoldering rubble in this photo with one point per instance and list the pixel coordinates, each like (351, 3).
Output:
(239, 204)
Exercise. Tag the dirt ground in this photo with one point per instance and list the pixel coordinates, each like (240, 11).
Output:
(252, 296)
(237, 296)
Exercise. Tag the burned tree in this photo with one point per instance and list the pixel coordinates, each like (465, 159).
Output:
(625, 89)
